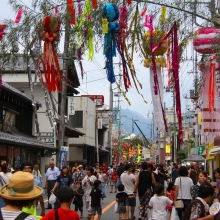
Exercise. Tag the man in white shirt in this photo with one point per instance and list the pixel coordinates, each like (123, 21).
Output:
(128, 180)
(51, 177)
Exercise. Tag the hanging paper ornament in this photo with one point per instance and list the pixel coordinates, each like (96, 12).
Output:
(111, 13)
(18, 16)
(129, 2)
(160, 62)
(70, 6)
(2, 30)
(73, 17)
(206, 41)
(105, 26)
(158, 35)
(94, 4)
(163, 15)
(50, 34)
(143, 12)
(56, 10)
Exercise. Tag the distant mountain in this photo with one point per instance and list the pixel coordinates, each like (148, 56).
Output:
(143, 123)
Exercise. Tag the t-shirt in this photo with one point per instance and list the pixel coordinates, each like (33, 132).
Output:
(114, 177)
(128, 180)
(194, 210)
(184, 189)
(122, 196)
(79, 198)
(101, 177)
(64, 181)
(159, 204)
(174, 175)
(9, 215)
(63, 214)
(96, 195)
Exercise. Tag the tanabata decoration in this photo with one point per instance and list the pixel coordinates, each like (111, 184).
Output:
(71, 10)
(206, 41)
(50, 34)
(2, 30)
(111, 13)
(160, 62)
(210, 105)
(18, 16)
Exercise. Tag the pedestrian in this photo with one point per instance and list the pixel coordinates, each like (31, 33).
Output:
(193, 174)
(103, 178)
(78, 200)
(114, 180)
(121, 198)
(79, 175)
(155, 173)
(36, 172)
(64, 179)
(96, 195)
(120, 170)
(198, 208)
(128, 180)
(96, 168)
(137, 170)
(75, 167)
(105, 168)
(159, 203)
(68, 166)
(143, 185)
(28, 167)
(182, 190)
(110, 171)
(217, 176)
(51, 177)
(202, 177)
(65, 197)
(18, 193)
(170, 193)
(161, 174)
(4, 178)
(174, 173)
(87, 185)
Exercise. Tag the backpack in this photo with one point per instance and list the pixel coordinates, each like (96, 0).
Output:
(21, 216)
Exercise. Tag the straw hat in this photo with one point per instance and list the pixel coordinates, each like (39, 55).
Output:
(20, 187)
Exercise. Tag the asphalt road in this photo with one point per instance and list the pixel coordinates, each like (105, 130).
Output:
(107, 207)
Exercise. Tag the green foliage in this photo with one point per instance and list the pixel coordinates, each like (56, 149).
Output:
(181, 154)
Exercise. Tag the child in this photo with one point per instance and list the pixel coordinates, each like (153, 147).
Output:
(78, 201)
(96, 195)
(114, 180)
(121, 198)
(65, 197)
(159, 203)
(170, 195)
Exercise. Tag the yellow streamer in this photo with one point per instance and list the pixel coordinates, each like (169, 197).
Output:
(163, 15)
(105, 26)
(121, 91)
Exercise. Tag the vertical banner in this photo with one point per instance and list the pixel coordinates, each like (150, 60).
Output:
(63, 156)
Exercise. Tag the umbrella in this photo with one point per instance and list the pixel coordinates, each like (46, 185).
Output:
(196, 158)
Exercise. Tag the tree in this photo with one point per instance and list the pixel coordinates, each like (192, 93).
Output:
(181, 154)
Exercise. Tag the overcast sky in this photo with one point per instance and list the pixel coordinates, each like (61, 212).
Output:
(94, 83)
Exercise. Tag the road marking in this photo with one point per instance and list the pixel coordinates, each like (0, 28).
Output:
(105, 209)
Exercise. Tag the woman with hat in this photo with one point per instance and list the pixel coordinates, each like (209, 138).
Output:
(19, 192)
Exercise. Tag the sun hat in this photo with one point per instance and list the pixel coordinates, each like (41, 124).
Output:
(80, 166)
(20, 187)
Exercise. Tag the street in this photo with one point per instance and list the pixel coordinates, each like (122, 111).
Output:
(107, 207)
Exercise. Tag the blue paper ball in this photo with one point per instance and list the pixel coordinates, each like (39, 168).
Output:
(111, 12)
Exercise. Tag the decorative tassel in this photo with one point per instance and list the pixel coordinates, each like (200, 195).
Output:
(143, 12)
(18, 16)
(105, 26)
(163, 15)
(70, 6)
(73, 17)
(94, 4)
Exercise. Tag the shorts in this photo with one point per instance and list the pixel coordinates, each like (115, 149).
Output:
(121, 209)
(114, 184)
(95, 210)
(131, 202)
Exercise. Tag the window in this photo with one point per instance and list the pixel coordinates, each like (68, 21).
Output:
(76, 121)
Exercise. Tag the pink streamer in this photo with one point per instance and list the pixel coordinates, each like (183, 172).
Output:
(18, 16)
(56, 10)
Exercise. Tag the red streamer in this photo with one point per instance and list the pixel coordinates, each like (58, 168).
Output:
(70, 6)
(94, 4)
(168, 66)
(129, 2)
(56, 10)
(143, 12)
(73, 17)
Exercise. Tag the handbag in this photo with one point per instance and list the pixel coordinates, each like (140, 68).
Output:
(179, 203)
(116, 208)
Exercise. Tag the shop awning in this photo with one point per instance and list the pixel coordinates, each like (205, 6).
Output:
(72, 132)
(215, 150)
(19, 140)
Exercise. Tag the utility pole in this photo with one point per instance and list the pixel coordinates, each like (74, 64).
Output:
(110, 121)
(64, 89)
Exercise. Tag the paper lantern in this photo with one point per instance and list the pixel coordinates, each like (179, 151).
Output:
(158, 35)
(206, 40)
(160, 62)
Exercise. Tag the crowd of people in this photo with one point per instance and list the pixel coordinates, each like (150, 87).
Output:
(161, 190)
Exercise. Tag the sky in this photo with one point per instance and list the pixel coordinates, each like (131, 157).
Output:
(95, 81)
